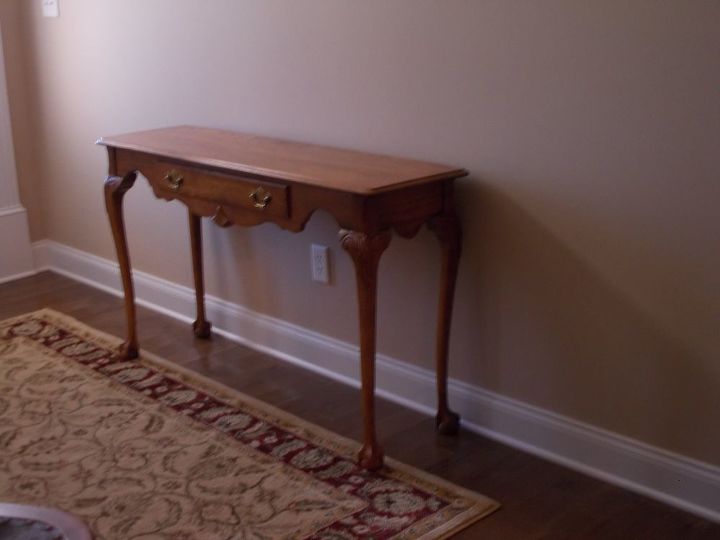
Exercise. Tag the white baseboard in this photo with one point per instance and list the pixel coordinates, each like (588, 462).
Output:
(13, 277)
(16, 256)
(674, 479)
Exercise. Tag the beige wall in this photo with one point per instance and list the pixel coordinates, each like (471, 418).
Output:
(590, 280)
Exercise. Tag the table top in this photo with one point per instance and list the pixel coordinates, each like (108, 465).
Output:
(324, 166)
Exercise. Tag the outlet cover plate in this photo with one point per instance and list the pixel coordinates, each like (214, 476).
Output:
(50, 8)
(319, 263)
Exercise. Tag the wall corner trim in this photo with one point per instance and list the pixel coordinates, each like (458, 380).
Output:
(16, 260)
(674, 479)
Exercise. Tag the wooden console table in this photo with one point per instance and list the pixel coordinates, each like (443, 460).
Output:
(246, 180)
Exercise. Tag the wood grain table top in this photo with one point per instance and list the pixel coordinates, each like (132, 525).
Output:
(334, 168)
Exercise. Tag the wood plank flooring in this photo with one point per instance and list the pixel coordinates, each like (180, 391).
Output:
(540, 500)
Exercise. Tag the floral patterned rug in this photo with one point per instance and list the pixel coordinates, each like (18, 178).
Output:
(148, 450)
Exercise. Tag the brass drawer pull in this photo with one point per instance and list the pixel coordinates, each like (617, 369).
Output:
(174, 180)
(260, 198)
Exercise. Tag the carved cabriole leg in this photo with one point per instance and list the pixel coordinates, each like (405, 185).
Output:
(447, 229)
(365, 252)
(201, 326)
(115, 188)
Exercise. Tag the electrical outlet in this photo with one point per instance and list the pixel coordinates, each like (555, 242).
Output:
(50, 8)
(319, 263)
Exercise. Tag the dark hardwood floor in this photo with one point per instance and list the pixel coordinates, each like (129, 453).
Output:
(540, 499)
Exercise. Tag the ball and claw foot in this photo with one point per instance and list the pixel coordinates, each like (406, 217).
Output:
(128, 352)
(447, 423)
(201, 329)
(370, 457)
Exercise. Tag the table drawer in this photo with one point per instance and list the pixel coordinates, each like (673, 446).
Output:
(238, 192)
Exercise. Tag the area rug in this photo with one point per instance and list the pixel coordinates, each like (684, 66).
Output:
(145, 450)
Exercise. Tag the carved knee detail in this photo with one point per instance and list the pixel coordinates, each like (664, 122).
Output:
(117, 186)
(365, 248)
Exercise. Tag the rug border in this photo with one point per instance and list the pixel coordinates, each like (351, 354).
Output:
(482, 505)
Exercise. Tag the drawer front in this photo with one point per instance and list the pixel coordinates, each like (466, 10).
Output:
(238, 192)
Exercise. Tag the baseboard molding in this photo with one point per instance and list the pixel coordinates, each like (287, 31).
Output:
(671, 478)
(13, 277)
(16, 260)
